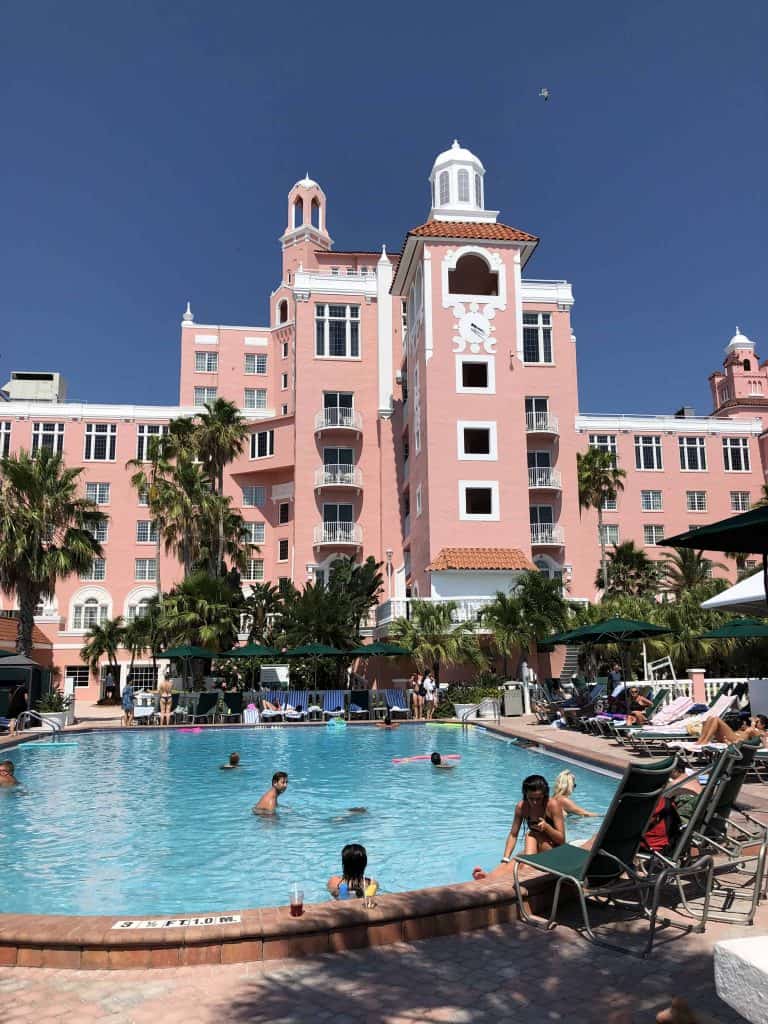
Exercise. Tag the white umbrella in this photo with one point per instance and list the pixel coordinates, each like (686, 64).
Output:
(747, 596)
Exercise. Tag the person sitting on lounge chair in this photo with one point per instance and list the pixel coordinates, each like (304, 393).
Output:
(267, 705)
(638, 704)
(715, 730)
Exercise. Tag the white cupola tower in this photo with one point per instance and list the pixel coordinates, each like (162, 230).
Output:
(739, 343)
(458, 191)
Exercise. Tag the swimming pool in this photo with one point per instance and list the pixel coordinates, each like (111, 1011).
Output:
(145, 823)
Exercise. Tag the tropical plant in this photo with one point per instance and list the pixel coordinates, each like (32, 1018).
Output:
(53, 702)
(104, 639)
(435, 639)
(542, 604)
(202, 611)
(509, 630)
(358, 585)
(46, 531)
(317, 614)
(630, 572)
(599, 480)
(263, 607)
(219, 437)
(687, 569)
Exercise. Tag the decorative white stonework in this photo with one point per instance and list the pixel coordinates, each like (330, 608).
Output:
(474, 328)
(188, 317)
(739, 341)
(474, 313)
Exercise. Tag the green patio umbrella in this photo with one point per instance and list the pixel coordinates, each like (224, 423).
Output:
(746, 533)
(185, 653)
(381, 649)
(737, 629)
(250, 651)
(314, 651)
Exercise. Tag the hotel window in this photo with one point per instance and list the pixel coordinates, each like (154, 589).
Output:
(443, 184)
(463, 186)
(100, 531)
(478, 192)
(610, 533)
(282, 550)
(144, 434)
(605, 443)
(693, 453)
(205, 396)
(97, 493)
(736, 454)
(254, 496)
(142, 498)
(97, 570)
(478, 499)
(651, 501)
(48, 437)
(5, 437)
(610, 504)
(418, 501)
(206, 362)
(476, 441)
(144, 677)
(337, 331)
(256, 362)
(284, 351)
(146, 532)
(145, 568)
(283, 512)
(648, 451)
(537, 337)
(254, 569)
(262, 444)
(740, 501)
(283, 381)
(696, 501)
(255, 398)
(79, 674)
(100, 442)
(475, 375)
(89, 613)
(653, 534)
(138, 610)
(283, 410)
(254, 533)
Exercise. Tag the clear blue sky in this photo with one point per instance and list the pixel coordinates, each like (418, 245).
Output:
(147, 149)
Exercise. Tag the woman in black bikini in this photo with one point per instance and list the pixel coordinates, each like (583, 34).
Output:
(543, 816)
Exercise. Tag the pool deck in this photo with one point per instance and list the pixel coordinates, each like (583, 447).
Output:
(479, 964)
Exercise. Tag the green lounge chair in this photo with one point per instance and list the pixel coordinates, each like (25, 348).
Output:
(600, 871)
(205, 708)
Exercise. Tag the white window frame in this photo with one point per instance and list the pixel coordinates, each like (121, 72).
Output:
(147, 527)
(204, 395)
(285, 350)
(256, 364)
(255, 398)
(254, 570)
(740, 446)
(206, 362)
(144, 434)
(283, 505)
(47, 431)
(254, 495)
(78, 616)
(94, 492)
(490, 362)
(283, 542)
(493, 486)
(652, 501)
(255, 532)
(693, 502)
(688, 447)
(490, 426)
(325, 318)
(607, 530)
(658, 453)
(97, 431)
(5, 437)
(96, 572)
(283, 381)
(741, 501)
(269, 444)
(100, 532)
(653, 534)
(147, 564)
(543, 323)
(418, 502)
(610, 504)
(142, 499)
(463, 186)
(79, 674)
(444, 188)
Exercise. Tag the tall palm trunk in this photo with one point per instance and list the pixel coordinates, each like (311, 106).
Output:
(27, 603)
(603, 557)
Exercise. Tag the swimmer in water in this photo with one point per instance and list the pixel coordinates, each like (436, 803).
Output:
(437, 761)
(268, 802)
(388, 723)
(234, 762)
(7, 776)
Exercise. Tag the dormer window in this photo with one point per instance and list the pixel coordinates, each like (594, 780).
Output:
(445, 192)
(463, 186)
(478, 192)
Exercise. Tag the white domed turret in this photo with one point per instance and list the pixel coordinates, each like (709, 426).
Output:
(457, 186)
(739, 342)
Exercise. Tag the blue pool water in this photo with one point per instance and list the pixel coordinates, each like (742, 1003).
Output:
(145, 823)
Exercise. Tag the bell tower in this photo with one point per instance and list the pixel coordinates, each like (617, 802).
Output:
(458, 189)
(306, 228)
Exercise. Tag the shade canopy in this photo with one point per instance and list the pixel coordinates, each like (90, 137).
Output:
(737, 629)
(746, 533)
(380, 648)
(188, 652)
(19, 661)
(251, 651)
(314, 651)
(747, 597)
(611, 631)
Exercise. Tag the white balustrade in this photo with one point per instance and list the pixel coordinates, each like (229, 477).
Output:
(546, 535)
(338, 418)
(544, 478)
(541, 423)
(338, 475)
(338, 534)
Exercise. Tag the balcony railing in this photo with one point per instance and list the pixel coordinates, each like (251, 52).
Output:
(341, 534)
(337, 418)
(547, 535)
(541, 423)
(468, 609)
(338, 475)
(544, 478)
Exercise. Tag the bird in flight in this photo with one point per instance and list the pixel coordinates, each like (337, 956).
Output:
(544, 93)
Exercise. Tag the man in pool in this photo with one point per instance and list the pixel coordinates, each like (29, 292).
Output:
(234, 762)
(268, 803)
(437, 762)
(7, 777)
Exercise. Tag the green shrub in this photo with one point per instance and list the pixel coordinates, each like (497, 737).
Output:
(466, 694)
(53, 702)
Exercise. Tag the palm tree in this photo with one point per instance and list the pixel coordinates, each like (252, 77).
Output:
(202, 611)
(542, 604)
(46, 531)
(630, 571)
(686, 570)
(219, 437)
(600, 480)
(263, 606)
(104, 640)
(508, 628)
(435, 639)
(180, 503)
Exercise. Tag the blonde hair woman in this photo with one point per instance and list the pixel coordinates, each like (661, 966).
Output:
(565, 783)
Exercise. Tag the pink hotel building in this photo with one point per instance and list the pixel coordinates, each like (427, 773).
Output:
(420, 407)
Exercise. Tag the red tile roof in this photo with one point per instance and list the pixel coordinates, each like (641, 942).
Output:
(488, 559)
(471, 229)
(8, 630)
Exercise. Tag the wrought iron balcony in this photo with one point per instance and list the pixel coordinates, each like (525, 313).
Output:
(338, 475)
(338, 418)
(544, 478)
(338, 535)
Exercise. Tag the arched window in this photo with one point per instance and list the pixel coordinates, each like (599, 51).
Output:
(89, 613)
(473, 276)
(463, 186)
(138, 610)
(298, 212)
(478, 192)
(315, 209)
(747, 365)
(445, 192)
(282, 311)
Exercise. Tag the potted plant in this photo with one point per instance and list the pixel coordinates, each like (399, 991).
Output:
(54, 707)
